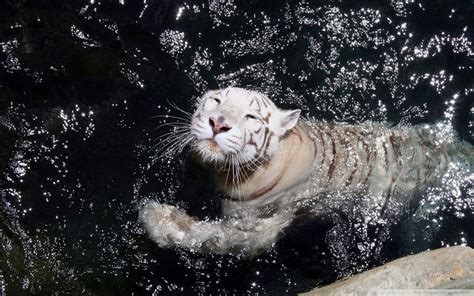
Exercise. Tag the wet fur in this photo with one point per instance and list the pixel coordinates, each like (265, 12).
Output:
(277, 171)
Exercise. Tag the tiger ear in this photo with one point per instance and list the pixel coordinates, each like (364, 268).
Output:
(289, 119)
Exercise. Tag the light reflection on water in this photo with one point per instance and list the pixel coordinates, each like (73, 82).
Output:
(79, 92)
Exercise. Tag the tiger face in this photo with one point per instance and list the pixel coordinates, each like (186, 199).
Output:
(238, 125)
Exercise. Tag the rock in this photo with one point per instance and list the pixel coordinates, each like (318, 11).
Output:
(446, 268)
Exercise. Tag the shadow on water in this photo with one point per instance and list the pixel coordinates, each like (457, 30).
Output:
(81, 81)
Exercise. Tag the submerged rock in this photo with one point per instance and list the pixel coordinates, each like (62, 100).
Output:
(446, 268)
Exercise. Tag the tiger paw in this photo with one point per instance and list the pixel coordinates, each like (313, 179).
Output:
(166, 225)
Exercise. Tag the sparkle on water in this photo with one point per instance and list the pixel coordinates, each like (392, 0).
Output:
(81, 83)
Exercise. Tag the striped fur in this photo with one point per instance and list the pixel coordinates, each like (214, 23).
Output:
(267, 164)
(254, 127)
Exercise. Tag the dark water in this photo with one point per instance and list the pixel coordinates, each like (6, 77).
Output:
(81, 80)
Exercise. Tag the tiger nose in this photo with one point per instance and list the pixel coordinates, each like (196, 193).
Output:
(218, 125)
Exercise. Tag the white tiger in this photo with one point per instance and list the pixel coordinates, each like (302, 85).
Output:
(265, 161)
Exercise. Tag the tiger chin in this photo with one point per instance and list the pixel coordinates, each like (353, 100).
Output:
(267, 161)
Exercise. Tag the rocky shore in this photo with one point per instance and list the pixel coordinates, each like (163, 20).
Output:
(446, 271)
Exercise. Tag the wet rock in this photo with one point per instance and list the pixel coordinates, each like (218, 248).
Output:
(446, 268)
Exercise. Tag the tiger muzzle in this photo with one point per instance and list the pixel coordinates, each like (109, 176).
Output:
(218, 125)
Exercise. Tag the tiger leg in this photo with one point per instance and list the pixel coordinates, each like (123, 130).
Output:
(169, 226)
(165, 224)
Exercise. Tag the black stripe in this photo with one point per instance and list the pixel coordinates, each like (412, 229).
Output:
(233, 142)
(396, 148)
(317, 132)
(334, 156)
(351, 177)
(324, 151)
(369, 154)
(356, 166)
(200, 125)
(270, 134)
(265, 139)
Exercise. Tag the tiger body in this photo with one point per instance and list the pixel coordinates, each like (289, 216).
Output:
(266, 158)
(371, 157)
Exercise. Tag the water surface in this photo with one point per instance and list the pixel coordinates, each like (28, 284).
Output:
(81, 81)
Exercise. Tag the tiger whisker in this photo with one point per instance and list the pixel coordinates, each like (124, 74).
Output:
(225, 166)
(171, 138)
(166, 139)
(179, 147)
(170, 116)
(181, 127)
(174, 132)
(179, 109)
(238, 176)
(165, 147)
(233, 172)
(178, 143)
(178, 136)
(174, 124)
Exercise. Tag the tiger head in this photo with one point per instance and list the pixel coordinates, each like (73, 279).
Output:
(239, 126)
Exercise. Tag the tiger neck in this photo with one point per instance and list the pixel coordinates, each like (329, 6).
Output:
(289, 165)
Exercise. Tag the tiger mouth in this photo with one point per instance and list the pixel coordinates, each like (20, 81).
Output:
(211, 151)
(212, 145)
